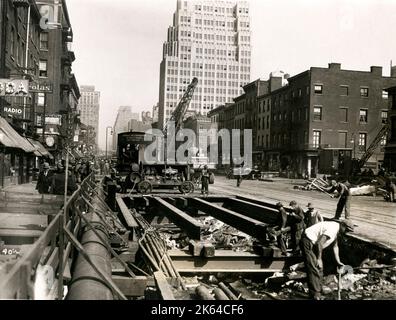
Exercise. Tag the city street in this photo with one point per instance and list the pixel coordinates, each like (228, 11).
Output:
(375, 218)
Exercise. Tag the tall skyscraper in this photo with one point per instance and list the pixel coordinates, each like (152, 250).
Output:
(209, 40)
(124, 115)
(89, 107)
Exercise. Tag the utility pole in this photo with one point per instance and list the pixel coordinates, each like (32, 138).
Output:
(106, 139)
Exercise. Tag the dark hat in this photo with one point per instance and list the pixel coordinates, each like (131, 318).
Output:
(310, 206)
(279, 205)
(293, 203)
(348, 225)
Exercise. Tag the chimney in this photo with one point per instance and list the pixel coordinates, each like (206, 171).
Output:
(335, 66)
(275, 83)
(376, 70)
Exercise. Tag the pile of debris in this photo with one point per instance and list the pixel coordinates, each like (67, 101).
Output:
(223, 236)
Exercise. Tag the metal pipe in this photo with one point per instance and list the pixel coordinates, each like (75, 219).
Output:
(86, 283)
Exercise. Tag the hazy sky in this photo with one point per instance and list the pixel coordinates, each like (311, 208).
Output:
(118, 43)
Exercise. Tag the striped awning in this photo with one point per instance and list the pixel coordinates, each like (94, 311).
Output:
(11, 139)
(41, 151)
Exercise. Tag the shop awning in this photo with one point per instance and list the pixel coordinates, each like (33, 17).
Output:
(11, 139)
(40, 149)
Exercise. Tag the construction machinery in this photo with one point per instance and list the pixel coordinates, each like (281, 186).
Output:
(146, 176)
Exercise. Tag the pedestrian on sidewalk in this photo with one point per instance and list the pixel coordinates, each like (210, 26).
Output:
(345, 198)
(58, 182)
(239, 176)
(315, 239)
(44, 179)
(312, 216)
(297, 226)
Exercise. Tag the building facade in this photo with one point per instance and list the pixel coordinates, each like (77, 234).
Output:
(124, 115)
(209, 40)
(89, 107)
(390, 148)
(57, 101)
(321, 120)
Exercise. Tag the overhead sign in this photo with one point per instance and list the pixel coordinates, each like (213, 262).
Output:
(14, 88)
(40, 87)
(53, 119)
(13, 111)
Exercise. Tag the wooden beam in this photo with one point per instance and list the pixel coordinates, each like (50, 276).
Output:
(163, 286)
(131, 287)
(243, 223)
(189, 224)
(129, 219)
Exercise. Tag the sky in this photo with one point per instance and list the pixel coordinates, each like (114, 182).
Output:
(118, 43)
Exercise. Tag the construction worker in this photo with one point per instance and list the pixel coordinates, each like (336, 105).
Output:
(205, 180)
(312, 216)
(297, 227)
(279, 231)
(345, 198)
(391, 189)
(315, 239)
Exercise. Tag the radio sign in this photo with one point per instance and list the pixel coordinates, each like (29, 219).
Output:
(14, 111)
(14, 88)
(40, 87)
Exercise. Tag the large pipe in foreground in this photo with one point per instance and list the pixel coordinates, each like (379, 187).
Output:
(86, 283)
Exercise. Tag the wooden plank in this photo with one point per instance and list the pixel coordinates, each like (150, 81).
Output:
(243, 223)
(22, 221)
(189, 224)
(163, 286)
(131, 287)
(20, 233)
(129, 219)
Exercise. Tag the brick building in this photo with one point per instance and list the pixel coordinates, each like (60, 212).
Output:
(323, 118)
(390, 149)
(58, 105)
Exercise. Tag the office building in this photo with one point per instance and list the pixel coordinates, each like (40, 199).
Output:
(89, 107)
(209, 40)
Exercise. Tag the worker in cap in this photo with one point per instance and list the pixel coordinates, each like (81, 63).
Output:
(315, 239)
(312, 216)
(297, 226)
(344, 194)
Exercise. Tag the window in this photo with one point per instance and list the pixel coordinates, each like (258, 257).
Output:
(317, 113)
(363, 116)
(362, 141)
(43, 69)
(12, 41)
(364, 92)
(383, 141)
(344, 90)
(344, 114)
(342, 139)
(41, 99)
(384, 116)
(44, 41)
(318, 89)
(317, 135)
(384, 94)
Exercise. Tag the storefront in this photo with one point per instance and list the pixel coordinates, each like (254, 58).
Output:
(16, 156)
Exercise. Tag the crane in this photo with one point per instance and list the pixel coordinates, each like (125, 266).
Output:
(182, 108)
(370, 150)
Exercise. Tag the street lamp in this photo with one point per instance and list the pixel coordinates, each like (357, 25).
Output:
(107, 136)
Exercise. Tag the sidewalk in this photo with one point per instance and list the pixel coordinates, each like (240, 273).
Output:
(27, 188)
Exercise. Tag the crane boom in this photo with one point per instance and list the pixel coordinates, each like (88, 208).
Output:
(369, 152)
(182, 107)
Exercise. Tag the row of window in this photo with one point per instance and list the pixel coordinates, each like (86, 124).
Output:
(344, 91)
(228, 10)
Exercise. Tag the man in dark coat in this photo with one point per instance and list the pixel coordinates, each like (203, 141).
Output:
(205, 180)
(297, 227)
(58, 182)
(44, 179)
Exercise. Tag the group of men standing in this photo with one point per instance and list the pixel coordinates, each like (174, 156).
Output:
(52, 181)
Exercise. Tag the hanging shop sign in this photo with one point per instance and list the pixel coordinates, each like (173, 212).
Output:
(13, 111)
(40, 87)
(14, 88)
(53, 119)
